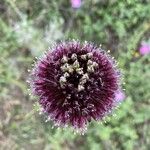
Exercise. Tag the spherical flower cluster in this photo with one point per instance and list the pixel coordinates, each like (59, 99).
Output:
(76, 83)
(120, 96)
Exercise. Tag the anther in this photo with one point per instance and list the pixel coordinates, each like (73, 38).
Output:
(62, 80)
(89, 62)
(90, 69)
(76, 64)
(64, 59)
(89, 55)
(85, 76)
(66, 74)
(82, 82)
(95, 64)
(80, 88)
(74, 57)
(70, 69)
(83, 57)
(79, 71)
(64, 67)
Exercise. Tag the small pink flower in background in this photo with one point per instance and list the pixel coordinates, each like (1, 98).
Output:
(120, 96)
(144, 49)
(75, 3)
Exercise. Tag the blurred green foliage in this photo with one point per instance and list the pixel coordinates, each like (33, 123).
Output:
(27, 28)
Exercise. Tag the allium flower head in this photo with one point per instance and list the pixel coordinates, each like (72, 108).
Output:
(76, 83)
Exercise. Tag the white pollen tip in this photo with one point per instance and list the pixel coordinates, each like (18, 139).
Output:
(70, 69)
(79, 71)
(64, 59)
(85, 76)
(62, 79)
(90, 69)
(95, 64)
(74, 56)
(66, 74)
(76, 64)
(89, 62)
(83, 57)
(89, 55)
(80, 88)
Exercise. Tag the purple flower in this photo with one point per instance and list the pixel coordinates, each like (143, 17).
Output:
(144, 49)
(119, 96)
(76, 83)
(75, 3)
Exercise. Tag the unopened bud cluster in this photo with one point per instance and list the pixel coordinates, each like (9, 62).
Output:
(73, 67)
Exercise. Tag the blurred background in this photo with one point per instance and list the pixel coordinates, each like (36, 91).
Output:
(28, 27)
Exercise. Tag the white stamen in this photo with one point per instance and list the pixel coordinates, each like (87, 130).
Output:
(89, 55)
(79, 71)
(89, 62)
(83, 57)
(65, 67)
(80, 88)
(95, 64)
(66, 74)
(64, 59)
(90, 69)
(85, 76)
(74, 57)
(70, 69)
(76, 64)
(62, 80)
